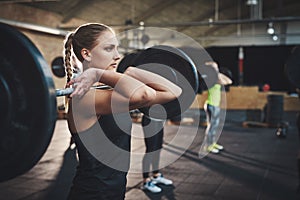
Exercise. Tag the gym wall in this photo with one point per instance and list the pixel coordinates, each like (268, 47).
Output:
(262, 64)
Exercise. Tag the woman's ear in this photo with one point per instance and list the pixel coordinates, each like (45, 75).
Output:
(85, 53)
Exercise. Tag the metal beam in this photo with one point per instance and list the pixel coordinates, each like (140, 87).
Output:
(207, 15)
(26, 1)
(161, 5)
(227, 22)
(34, 27)
(230, 37)
(77, 7)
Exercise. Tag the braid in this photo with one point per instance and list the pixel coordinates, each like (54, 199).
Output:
(68, 52)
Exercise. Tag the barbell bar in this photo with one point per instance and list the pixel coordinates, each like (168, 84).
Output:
(28, 96)
(68, 91)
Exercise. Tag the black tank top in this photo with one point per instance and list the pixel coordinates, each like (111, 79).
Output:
(104, 156)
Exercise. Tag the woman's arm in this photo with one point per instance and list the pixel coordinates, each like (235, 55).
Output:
(123, 84)
(129, 90)
(165, 89)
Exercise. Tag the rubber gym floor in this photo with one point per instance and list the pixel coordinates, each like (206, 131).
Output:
(256, 164)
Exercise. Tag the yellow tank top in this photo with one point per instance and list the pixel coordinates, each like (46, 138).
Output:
(214, 95)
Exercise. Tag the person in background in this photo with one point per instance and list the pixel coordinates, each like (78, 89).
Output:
(153, 136)
(212, 109)
(176, 120)
(92, 115)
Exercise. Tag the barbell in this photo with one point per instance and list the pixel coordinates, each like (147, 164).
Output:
(174, 65)
(28, 96)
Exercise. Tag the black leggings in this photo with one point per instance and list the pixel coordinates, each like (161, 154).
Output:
(153, 133)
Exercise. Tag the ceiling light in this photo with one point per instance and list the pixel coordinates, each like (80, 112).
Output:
(141, 27)
(270, 29)
(252, 2)
(275, 37)
(142, 23)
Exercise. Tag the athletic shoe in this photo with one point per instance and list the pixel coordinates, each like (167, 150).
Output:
(212, 149)
(217, 146)
(151, 187)
(161, 179)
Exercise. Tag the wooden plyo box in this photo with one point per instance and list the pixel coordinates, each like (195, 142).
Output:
(247, 98)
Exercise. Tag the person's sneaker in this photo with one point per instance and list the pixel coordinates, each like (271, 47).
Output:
(161, 179)
(217, 146)
(151, 187)
(212, 149)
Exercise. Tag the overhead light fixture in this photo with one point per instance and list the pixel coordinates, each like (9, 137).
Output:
(270, 29)
(210, 21)
(141, 27)
(252, 2)
(275, 37)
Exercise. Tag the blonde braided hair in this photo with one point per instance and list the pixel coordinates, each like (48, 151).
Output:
(68, 53)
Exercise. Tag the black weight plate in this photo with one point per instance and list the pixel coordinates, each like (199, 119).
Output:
(165, 57)
(226, 71)
(126, 62)
(207, 78)
(29, 101)
(57, 67)
(207, 75)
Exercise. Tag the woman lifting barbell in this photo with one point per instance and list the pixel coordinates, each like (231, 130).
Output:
(91, 110)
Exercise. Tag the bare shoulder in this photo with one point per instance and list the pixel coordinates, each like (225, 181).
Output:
(95, 96)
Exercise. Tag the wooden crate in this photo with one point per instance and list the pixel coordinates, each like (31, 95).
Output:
(247, 98)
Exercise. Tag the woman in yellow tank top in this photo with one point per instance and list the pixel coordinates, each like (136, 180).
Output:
(212, 109)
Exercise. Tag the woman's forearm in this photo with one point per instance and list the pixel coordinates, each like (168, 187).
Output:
(127, 86)
(154, 81)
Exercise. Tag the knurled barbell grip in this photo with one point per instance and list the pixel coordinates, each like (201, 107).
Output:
(64, 92)
(67, 91)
